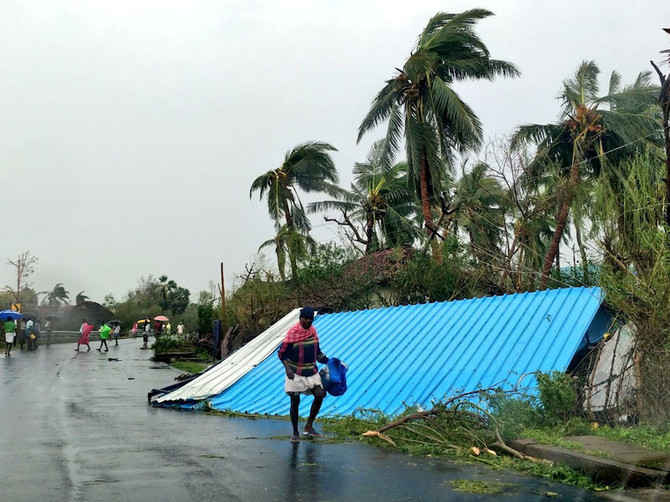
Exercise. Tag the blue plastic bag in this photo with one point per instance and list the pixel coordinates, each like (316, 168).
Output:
(334, 377)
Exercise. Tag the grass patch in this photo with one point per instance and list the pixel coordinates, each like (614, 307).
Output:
(487, 487)
(190, 366)
(653, 438)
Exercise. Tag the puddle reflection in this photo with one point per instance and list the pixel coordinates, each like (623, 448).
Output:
(305, 472)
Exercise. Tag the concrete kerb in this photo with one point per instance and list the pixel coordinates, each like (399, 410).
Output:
(603, 470)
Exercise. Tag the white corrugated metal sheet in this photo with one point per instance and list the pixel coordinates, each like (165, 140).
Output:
(234, 367)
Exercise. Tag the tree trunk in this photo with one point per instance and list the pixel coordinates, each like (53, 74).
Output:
(369, 230)
(425, 209)
(666, 131)
(582, 253)
(664, 101)
(281, 259)
(561, 221)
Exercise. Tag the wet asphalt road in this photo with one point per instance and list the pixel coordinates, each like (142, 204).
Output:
(77, 427)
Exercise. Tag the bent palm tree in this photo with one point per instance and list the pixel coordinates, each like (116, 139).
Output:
(308, 167)
(379, 200)
(57, 296)
(81, 298)
(421, 106)
(292, 243)
(589, 137)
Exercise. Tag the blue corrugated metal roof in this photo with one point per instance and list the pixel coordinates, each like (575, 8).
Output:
(416, 354)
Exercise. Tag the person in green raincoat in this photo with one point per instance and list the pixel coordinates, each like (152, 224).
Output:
(105, 330)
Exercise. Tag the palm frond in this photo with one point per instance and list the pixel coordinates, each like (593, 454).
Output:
(380, 109)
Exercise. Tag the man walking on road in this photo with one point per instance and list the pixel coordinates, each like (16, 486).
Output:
(299, 353)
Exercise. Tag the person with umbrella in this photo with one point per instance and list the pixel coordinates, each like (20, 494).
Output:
(10, 333)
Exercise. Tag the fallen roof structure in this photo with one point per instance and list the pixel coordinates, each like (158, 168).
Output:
(411, 355)
(224, 374)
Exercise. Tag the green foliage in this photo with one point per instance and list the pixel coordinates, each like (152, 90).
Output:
(354, 426)
(421, 107)
(513, 413)
(28, 299)
(455, 431)
(259, 302)
(655, 438)
(81, 298)
(310, 168)
(636, 273)
(170, 343)
(57, 296)
(487, 487)
(554, 434)
(206, 318)
(331, 277)
(558, 398)
(151, 297)
(190, 366)
(556, 472)
(173, 298)
(423, 280)
(377, 211)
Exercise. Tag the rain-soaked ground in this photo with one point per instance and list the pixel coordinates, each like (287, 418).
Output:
(76, 426)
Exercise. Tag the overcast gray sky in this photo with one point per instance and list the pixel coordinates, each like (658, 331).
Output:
(131, 130)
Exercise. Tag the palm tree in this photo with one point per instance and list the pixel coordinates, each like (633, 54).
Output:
(166, 286)
(56, 296)
(421, 106)
(593, 133)
(292, 243)
(80, 298)
(478, 210)
(308, 167)
(378, 207)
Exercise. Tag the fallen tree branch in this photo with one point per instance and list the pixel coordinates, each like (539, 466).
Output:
(436, 410)
(515, 453)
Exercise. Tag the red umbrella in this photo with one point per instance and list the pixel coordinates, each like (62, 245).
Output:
(161, 318)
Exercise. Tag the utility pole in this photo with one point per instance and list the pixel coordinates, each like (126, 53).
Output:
(222, 292)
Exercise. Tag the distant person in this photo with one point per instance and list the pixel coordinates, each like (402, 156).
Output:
(47, 328)
(29, 329)
(105, 330)
(34, 335)
(22, 335)
(299, 353)
(158, 329)
(168, 327)
(85, 331)
(10, 334)
(133, 331)
(116, 332)
(145, 337)
(180, 328)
